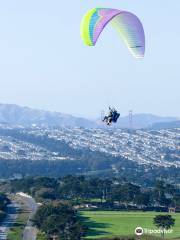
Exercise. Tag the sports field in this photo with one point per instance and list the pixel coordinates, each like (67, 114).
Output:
(113, 223)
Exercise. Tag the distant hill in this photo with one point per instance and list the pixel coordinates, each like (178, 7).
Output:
(144, 120)
(166, 125)
(25, 116)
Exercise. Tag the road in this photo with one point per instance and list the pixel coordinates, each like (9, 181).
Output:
(9, 220)
(30, 232)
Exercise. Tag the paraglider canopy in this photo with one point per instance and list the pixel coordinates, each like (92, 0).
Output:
(127, 24)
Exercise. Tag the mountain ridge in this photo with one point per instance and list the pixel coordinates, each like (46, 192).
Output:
(18, 115)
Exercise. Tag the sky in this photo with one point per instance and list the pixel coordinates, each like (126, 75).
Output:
(45, 65)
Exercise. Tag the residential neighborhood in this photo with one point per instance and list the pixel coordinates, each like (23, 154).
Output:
(146, 147)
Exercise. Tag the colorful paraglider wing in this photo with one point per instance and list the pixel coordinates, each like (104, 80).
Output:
(127, 24)
(131, 31)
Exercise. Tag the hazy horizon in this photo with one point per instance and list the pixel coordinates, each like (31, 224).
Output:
(86, 116)
(44, 64)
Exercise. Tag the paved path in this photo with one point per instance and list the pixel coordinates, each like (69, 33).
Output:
(9, 220)
(30, 232)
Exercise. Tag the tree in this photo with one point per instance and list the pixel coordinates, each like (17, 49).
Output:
(142, 199)
(164, 222)
(3, 201)
(59, 219)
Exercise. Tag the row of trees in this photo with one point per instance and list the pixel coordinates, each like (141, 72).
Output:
(80, 189)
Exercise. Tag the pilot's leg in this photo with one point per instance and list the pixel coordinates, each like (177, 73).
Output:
(105, 119)
(109, 121)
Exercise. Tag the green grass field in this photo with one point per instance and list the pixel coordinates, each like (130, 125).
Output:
(112, 223)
